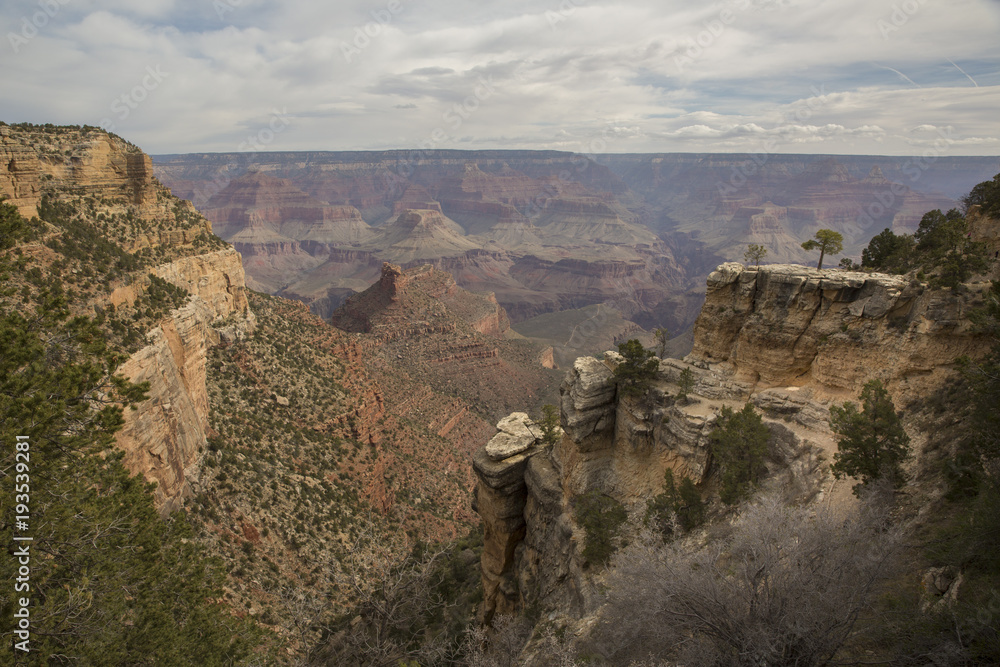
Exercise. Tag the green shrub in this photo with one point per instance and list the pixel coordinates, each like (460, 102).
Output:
(638, 368)
(602, 518)
(739, 445)
(684, 503)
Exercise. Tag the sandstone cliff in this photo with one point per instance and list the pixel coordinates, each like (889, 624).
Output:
(789, 339)
(165, 437)
(103, 201)
(86, 161)
(833, 330)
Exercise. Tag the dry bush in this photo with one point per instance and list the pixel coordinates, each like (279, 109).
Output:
(498, 645)
(785, 587)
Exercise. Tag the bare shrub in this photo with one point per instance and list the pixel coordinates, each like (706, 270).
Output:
(396, 602)
(785, 587)
(499, 645)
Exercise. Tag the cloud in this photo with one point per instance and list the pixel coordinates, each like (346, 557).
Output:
(569, 74)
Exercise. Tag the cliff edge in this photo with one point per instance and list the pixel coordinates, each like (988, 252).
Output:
(789, 339)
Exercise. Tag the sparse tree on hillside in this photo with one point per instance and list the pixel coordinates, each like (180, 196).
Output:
(662, 336)
(602, 518)
(549, 423)
(872, 444)
(637, 369)
(986, 196)
(739, 445)
(682, 506)
(828, 242)
(755, 253)
(685, 383)
(13, 227)
(397, 594)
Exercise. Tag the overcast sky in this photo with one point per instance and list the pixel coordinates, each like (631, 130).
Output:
(896, 77)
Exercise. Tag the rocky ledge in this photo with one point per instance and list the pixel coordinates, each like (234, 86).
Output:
(833, 330)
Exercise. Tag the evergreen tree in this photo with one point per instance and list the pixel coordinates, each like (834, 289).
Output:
(872, 444)
(13, 227)
(549, 423)
(662, 336)
(638, 368)
(683, 505)
(827, 241)
(888, 252)
(755, 253)
(602, 518)
(685, 383)
(986, 196)
(939, 233)
(739, 446)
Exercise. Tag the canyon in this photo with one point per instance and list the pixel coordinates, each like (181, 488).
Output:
(302, 436)
(548, 231)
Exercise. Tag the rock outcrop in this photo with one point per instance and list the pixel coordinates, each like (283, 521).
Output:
(833, 330)
(788, 339)
(164, 438)
(87, 161)
(424, 299)
(620, 446)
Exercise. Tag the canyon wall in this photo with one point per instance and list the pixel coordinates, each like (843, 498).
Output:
(164, 438)
(832, 330)
(90, 162)
(108, 186)
(789, 339)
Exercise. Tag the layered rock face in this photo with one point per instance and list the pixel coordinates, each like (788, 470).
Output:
(165, 437)
(476, 216)
(788, 339)
(420, 300)
(619, 446)
(833, 330)
(421, 323)
(90, 162)
(107, 183)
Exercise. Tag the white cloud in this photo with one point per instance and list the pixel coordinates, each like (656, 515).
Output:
(570, 74)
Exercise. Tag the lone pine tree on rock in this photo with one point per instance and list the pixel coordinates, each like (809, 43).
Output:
(755, 252)
(827, 241)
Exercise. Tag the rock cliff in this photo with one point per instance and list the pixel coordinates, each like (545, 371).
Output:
(165, 437)
(789, 339)
(832, 330)
(619, 446)
(103, 186)
(87, 161)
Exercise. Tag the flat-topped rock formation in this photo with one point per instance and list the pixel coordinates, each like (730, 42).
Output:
(788, 325)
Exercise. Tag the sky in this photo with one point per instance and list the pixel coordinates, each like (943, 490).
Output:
(886, 77)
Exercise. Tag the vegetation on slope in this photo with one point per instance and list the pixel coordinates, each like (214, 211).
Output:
(315, 502)
(110, 582)
(941, 250)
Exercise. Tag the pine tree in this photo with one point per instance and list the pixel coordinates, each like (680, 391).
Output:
(549, 423)
(827, 241)
(739, 445)
(872, 444)
(638, 368)
(755, 252)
